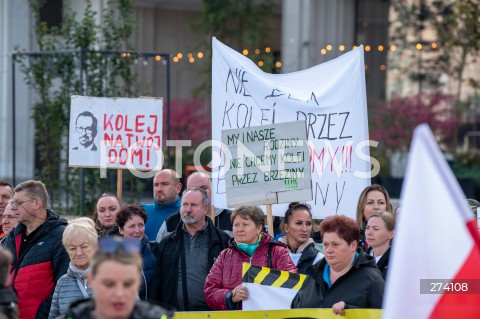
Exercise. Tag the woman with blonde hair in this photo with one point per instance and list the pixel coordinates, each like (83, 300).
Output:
(80, 240)
(115, 279)
(379, 233)
(373, 198)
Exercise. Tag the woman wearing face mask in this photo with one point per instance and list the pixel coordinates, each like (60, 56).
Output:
(298, 228)
(80, 240)
(131, 224)
(379, 233)
(223, 287)
(105, 214)
(374, 198)
(115, 278)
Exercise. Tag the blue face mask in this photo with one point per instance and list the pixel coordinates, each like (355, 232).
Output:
(249, 249)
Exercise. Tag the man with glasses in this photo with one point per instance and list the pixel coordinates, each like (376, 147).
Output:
(39, 259)
(6, 193)
(86, 128)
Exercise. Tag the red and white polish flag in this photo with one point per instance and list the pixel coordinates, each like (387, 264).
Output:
(436, 242)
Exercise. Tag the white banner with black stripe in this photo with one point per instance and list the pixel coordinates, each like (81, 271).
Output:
(269, 289)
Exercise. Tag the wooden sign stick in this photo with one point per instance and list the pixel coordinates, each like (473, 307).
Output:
(270, 220)
(119, 184)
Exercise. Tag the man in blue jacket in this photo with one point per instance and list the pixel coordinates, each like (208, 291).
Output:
(166, 187)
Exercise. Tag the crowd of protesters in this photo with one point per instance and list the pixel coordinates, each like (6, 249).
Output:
(181, 253)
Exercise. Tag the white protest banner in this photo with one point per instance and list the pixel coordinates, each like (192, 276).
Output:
(269, 288)
(116, 132)
(269, 164)
(330, 97)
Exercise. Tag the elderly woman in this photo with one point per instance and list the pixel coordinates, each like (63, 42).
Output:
(298, 228)
(379, 233)
(223, 287)
(105, 213)
(347, 277)
(131, 224)
(80, 240)
(374, 198)
(115, 278)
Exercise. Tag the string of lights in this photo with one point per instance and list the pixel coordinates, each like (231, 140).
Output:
(196, 57)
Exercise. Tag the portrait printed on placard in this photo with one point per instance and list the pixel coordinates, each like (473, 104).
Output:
(86, 129)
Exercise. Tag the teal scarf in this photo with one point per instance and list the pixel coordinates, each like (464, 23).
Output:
(249, 249)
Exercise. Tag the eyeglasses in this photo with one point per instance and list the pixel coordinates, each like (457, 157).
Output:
(84, 130)
(111, 245)
(16, 203)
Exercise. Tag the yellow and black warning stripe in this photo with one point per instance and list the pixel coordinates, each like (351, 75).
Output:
(271, 277)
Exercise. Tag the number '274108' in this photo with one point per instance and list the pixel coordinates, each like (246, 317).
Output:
(449, 286)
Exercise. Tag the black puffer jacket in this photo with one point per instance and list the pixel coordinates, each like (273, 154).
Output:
(83, 309)
(361, 287)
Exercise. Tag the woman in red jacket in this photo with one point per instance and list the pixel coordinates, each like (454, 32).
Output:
(223, 287)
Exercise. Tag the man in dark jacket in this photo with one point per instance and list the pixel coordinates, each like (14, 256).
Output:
(195, 244)
(39, 257)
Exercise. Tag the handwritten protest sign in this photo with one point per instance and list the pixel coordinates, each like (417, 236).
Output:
(329, 97)
(268, 164)
(115, 132)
